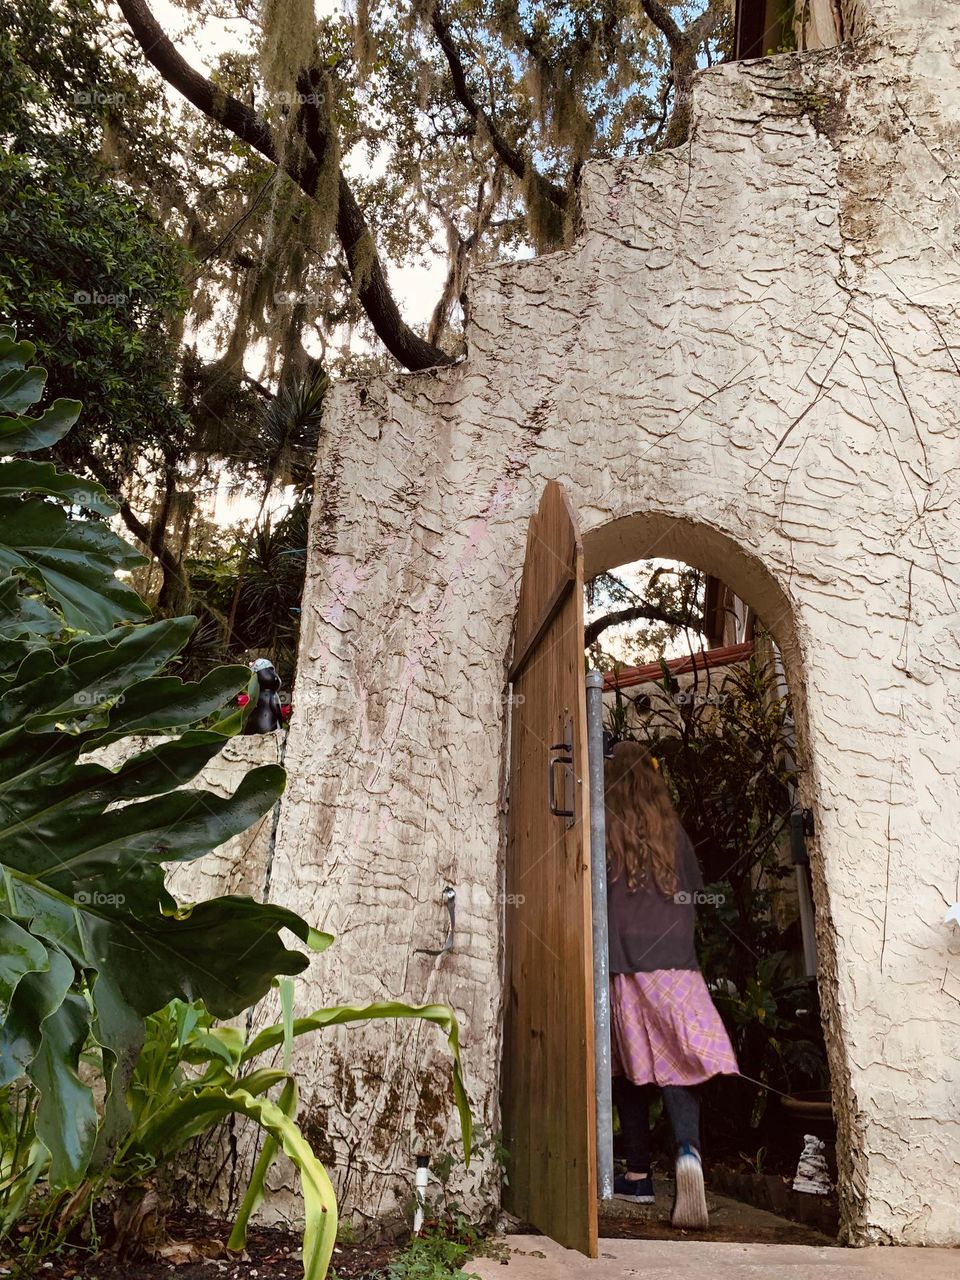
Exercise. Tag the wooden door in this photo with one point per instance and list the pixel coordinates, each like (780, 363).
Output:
(547, 1099)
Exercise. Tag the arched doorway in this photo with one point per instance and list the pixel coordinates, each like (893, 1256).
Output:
(543, 637)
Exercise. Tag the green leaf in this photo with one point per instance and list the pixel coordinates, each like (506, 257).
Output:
(20, 954)
(91, 941)
(166, 702)
(440, 1014)
(37, 997)
(13, 354)
(26, 435)
(253, 1196)
(19, 389)
(319, 1199)
(74, 562)
(66, 1119)
(96, 672)
(286, 1009)
(23, 475)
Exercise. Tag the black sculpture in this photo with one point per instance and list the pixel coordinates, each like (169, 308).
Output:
(267, 715)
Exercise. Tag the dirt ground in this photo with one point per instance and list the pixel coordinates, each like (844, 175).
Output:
(197, 1250)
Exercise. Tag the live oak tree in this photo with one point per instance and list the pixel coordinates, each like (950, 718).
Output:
(379, 127)
(252, 199)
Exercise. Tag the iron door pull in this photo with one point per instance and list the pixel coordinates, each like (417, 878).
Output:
(567, 761)
(449, 896)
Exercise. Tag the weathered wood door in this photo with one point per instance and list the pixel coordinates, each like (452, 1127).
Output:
(547, 1098)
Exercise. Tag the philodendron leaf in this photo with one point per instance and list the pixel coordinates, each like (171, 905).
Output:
(96, 672)
(73, 561)
(23, 475)
(20, 954)
(14, 354)
(37, 997)
(166, 703)
(91, 942)
(66, 1119)
(24, 435)
(116, 861)
(19, 390)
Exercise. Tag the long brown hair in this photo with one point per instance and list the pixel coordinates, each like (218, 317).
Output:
(641, 821)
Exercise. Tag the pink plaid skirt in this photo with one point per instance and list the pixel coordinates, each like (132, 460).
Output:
(664, 1029)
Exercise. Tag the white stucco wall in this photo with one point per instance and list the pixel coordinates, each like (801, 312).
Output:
(749, 360)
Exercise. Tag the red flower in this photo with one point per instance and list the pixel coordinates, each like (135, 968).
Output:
(286, 709)
(242, 699)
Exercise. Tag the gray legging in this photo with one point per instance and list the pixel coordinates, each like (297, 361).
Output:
(633, 1107)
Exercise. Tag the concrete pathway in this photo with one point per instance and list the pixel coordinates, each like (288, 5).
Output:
(537, 1258)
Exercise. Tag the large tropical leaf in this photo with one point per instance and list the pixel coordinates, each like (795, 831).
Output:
(72, 562)
(91, 940)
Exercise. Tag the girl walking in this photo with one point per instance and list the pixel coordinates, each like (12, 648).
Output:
(665, 1030)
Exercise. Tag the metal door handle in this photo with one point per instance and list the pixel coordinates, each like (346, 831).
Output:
(449, 896)
(567, 761)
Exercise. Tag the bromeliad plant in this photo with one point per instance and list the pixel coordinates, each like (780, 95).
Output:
(91, 942)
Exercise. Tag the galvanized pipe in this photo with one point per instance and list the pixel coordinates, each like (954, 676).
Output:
(601, 956)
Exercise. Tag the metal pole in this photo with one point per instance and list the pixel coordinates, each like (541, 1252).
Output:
(601, 956)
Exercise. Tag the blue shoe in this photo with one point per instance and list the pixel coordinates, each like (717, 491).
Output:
(690, 1200)
(639, 1190)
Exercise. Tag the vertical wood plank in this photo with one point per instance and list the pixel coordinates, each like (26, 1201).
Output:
(549, 1122)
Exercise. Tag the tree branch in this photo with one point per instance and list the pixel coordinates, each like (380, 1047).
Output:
(153, 537)
(684, 47)
(509, 155)
(596, 628)
(352, 230)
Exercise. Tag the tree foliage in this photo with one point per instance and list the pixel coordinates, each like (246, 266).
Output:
(249, 187)
(458, 125)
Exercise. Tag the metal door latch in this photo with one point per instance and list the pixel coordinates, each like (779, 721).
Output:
(449, 897)
(565, 758)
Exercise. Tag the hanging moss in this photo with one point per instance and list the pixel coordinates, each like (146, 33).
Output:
(287, 38)
(364, 258)
(545, 222)
(364, 41)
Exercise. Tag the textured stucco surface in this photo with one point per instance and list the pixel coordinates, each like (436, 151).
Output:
(748, 360)
(241, 865)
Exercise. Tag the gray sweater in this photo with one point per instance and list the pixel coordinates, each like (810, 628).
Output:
(649, 931)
